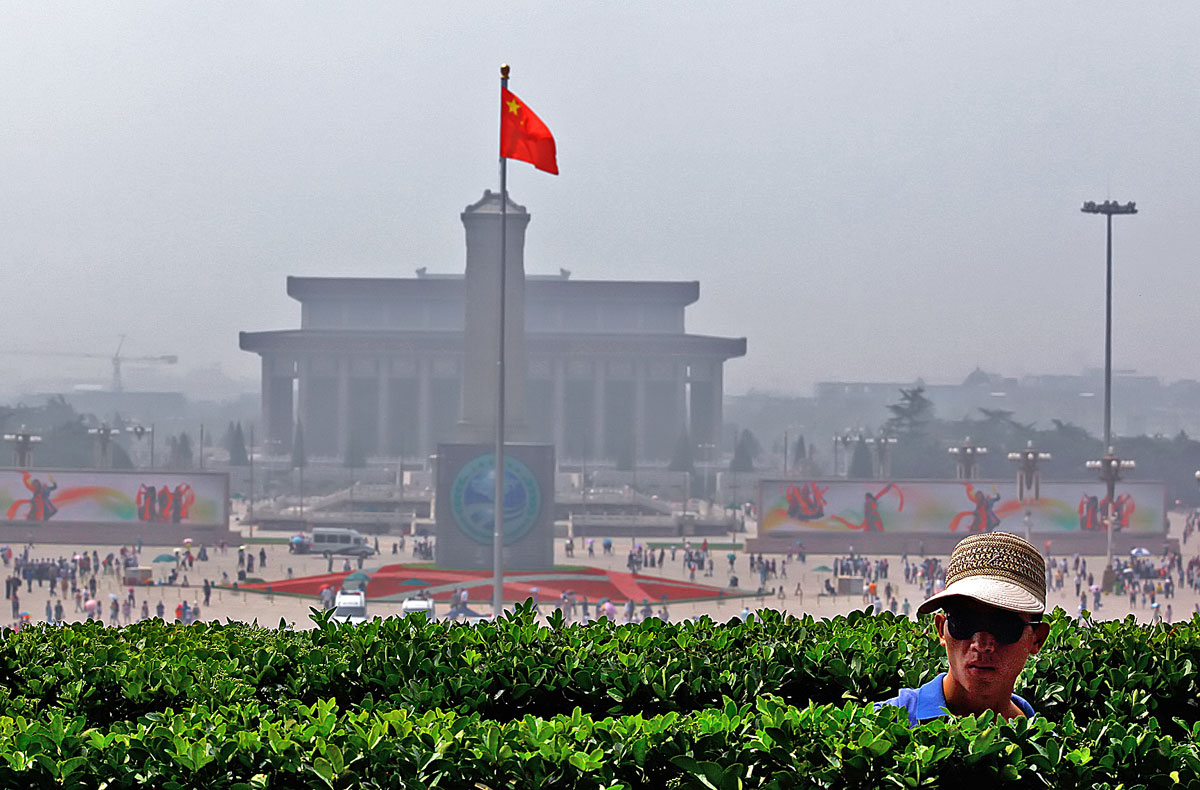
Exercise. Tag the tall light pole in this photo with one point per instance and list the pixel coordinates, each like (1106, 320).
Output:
(104, 438)
(1108, 208)
(845, 439)
(882, 450)
(23, 442)
(966, 459)
(1028, 479)
(139, 432)
(1110, 467)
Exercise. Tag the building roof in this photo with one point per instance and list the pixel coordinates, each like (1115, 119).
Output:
(385, 342)
(682, 292)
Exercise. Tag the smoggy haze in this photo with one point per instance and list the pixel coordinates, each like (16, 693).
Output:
(865, 191)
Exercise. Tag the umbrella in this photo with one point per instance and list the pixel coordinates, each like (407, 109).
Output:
(90, 604)
(1140, 552)
(1154, 605)
(823, 569)
(165, 558)
(1095, 588)
(358, 576)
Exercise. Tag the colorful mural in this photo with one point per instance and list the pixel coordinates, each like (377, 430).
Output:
(53, 495)
(806, 506)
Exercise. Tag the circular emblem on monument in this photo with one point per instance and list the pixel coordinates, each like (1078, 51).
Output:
(473, 494)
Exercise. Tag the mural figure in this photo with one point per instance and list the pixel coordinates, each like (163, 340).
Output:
(982, 515)
(181, 501)
(806, 502)
(984, 518)
(1089, 513)
(872, 521)
(41, 508)
(147, 503)
(164, 502)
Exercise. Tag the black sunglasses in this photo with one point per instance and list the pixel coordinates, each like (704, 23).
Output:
(1006, 627)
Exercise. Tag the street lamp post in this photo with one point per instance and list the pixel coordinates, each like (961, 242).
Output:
(23, 442)
(966, 459)
(1110, 468)
(882, 450)
(139, 432)
(1028, 479)
(1108, 208)
(104, 438)
(845, 439)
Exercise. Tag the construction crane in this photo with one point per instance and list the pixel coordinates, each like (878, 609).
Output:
(115, 358)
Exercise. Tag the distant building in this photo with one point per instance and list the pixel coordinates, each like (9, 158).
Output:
(612, 372)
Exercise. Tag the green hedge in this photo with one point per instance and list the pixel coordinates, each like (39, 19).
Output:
(393, 703)
(769, 744)
(516, 667)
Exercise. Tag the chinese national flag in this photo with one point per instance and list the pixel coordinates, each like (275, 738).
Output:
(523, 135)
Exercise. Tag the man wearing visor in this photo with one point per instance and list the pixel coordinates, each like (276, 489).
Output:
(990, 622)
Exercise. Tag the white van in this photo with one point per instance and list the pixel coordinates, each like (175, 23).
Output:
(350, 606)
(423, 605)
(339, 540)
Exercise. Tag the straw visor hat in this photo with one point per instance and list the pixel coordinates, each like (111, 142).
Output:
(995, 568)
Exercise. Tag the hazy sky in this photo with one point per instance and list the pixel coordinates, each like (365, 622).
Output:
(863, 190)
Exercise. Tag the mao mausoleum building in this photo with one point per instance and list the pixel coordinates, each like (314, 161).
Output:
(610, 374)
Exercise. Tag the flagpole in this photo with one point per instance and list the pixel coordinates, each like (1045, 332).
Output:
(498, 501)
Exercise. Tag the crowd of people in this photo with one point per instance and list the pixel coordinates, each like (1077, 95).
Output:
(75, 581)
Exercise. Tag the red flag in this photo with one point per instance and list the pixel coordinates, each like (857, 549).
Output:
(523, 135)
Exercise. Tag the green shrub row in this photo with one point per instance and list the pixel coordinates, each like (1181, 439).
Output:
(766, 745)
(515, 667)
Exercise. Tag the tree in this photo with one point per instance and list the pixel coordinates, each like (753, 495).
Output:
(684, 459)
(745, 452)
(236, 444)
(860, 463)
(179, 451)
(916, 453)
(911, 414)
(800, 451)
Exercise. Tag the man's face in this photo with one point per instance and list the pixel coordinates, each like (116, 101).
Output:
(979, 661)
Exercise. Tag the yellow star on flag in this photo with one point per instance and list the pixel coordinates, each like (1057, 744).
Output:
(513, 107)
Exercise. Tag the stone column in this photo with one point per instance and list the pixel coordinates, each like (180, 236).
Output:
(343, 405)
(268, 422)
(718, 395)
(425, 406)
(559, 371)
(383, 439)
(639, 409)
(598, 381)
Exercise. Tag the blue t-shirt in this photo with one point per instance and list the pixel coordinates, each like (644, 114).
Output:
(929, 702)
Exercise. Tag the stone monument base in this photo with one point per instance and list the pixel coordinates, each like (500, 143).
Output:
(464, 515)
